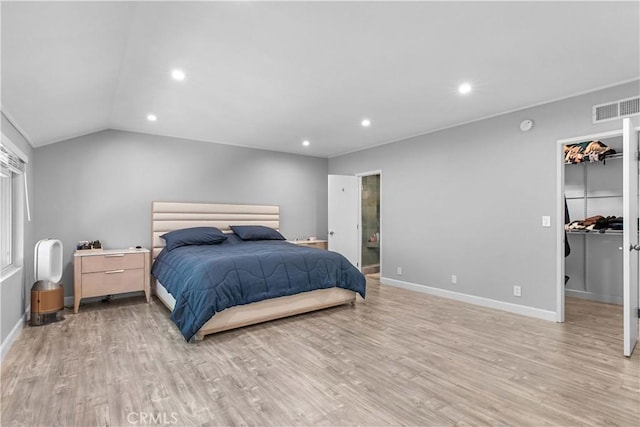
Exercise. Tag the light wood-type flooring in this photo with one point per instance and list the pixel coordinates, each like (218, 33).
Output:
(398, 358)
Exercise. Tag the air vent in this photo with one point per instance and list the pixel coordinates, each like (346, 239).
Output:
(616, 110)
(629, 107)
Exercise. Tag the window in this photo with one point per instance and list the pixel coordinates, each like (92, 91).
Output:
(12, 167)
(6, 218)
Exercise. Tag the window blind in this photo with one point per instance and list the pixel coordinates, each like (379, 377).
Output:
(10, 161)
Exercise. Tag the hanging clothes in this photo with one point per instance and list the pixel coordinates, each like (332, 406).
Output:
(567, 220)
(567, 248)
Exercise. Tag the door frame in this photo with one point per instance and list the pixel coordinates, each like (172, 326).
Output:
(560, 286)
(560, 236)
(360, 176)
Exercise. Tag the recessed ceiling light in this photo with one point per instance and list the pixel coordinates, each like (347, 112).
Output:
(305, 143)
(152, 117)
(464, 88)
(365, 123)
(178, 75)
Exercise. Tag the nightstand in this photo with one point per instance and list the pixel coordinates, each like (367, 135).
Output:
(109, 272)
(320, 244)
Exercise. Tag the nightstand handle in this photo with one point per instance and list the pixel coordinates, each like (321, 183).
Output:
(114, 255)
(114, 271)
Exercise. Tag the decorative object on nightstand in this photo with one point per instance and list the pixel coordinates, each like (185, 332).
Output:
(86, 245)
(110, 272)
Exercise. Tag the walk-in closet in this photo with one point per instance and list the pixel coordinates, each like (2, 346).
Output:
(599, 199)
(593, 192)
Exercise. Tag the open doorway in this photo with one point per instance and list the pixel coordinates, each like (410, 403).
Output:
(370, 238)
(590, 257)
(597, 256)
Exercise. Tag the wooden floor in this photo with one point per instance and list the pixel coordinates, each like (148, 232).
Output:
(398, 358)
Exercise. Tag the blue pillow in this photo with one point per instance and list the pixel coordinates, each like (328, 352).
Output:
(256, 232)
(193, 236)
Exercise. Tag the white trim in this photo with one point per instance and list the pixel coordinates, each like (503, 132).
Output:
(72, 136)
(197, 139)
(8, 272)
(13, 335)
(359, 225)
(560, 232)
(369, 173)
(608, 299)
(15, 124)
(515, 110)
(601, 135)
(472, 299)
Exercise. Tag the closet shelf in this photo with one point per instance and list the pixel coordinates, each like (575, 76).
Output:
(595, 196)
(611, 157)
(609, 232)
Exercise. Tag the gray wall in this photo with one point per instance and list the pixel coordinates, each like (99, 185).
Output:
(14, 292)
(101, 186)
(469, 200)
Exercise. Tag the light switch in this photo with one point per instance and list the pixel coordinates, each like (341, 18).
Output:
(546, 221)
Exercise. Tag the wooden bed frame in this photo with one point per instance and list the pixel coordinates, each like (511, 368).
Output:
(169, 216)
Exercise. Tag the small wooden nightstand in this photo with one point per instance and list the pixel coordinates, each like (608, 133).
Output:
(320, 244)
(110, 272)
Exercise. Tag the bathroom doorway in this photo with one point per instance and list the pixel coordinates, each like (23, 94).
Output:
(370, 238)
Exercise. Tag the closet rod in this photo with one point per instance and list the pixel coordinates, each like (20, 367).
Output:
(594, 197)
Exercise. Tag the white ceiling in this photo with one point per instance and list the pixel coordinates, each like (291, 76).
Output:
(269, 75)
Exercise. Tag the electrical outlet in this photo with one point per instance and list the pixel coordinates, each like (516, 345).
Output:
(454, 279)
(517, 291)
(399, 271)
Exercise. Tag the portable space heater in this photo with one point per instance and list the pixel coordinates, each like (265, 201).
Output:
(47, 293)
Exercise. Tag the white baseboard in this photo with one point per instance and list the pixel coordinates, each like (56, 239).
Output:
(13, 335)
(472, 299)
(609, 299)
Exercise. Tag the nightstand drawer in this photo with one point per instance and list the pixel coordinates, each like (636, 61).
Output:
(112, 282)
(109, 262)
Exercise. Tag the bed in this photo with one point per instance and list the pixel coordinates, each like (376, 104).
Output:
(186, 293)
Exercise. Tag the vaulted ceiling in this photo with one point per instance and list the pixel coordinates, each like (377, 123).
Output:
(273, 74)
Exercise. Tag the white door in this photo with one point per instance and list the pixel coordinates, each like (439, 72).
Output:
(630, 244)
(343, 216)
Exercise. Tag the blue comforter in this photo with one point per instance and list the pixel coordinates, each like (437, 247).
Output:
(207, 279)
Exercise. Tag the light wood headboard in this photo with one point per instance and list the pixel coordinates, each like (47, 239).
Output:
(169, 216)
